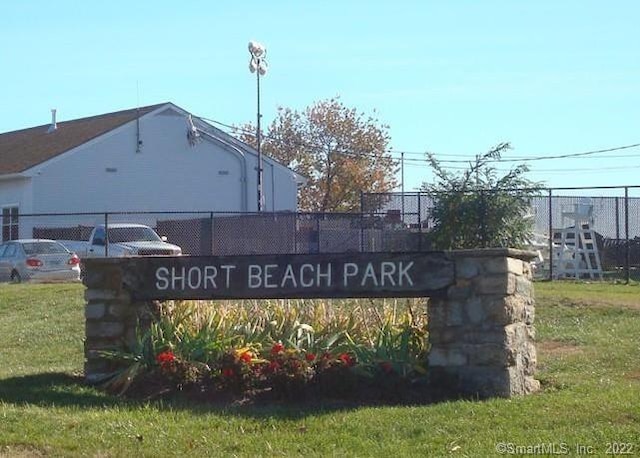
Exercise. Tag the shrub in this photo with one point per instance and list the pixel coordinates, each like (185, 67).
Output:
(477, 208)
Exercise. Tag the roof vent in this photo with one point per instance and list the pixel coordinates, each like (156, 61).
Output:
(53, 125)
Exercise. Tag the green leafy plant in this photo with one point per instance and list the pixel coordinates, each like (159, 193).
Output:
(477, 207)
(133, 362)
(284, 347)
(399, 349)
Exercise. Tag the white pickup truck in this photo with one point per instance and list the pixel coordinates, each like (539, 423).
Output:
(124, 239)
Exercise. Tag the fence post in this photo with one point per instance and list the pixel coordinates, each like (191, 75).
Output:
(296, 233)
(627, 260)
(550, 235)
(617, 256)
(211, 231)
(106, 235)
(317, 217)
(419, 221)
(483, 223)
(361, 221)
(617, 218)
(362, 240)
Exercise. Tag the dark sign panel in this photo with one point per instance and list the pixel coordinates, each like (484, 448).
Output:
(290, 276)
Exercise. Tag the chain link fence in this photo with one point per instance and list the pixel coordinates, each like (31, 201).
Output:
(392, 222)
(214, 233)
(613, 218)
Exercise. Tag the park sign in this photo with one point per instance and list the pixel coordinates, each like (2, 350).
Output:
(290, 276)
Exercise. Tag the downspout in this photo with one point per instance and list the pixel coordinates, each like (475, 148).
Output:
(243, 164)
(273, 190)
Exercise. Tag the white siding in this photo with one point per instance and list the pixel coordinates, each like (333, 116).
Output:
(16, 192)
(281, 183)
(107, 174)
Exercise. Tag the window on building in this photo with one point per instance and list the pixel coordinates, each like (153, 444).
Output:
(9, 223)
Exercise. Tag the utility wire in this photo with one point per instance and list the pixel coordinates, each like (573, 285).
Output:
(317, 147)
(559, 156)
(543, 170)
(529, 158)
(520, 159)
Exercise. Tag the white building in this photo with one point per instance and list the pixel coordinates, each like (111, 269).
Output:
(154, 158)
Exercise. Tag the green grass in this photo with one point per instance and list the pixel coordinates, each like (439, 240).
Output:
(589, 355)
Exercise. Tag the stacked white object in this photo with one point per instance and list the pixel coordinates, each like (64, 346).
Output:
(575, 251)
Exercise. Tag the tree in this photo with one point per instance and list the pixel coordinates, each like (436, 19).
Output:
(340, 151)
(478, 208)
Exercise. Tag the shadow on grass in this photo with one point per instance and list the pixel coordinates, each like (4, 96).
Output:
(53, 389)
(64, 390)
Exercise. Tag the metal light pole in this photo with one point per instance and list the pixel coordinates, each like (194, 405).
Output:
(258, 65)
(402, 179)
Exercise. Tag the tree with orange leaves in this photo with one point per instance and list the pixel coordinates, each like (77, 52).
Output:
(340, 151)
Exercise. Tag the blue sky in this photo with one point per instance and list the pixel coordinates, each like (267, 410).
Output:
(453, 78)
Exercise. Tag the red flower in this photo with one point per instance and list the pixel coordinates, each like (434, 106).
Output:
(277, 348)
(246, 357)
(386, 367)
(228, 372)
(274, 366)
(165, 357)
(310, 357)
(347, 359)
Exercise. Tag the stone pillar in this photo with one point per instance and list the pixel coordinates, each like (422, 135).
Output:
(481, 332)
(111, 317)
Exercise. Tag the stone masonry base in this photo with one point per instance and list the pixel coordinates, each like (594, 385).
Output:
(480, 329)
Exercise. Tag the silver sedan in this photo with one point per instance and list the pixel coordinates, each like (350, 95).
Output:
(37, 260)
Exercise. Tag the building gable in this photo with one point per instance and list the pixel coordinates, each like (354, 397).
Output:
(23, 149)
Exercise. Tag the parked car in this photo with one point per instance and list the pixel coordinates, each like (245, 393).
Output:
(37, 260)
(122, 239)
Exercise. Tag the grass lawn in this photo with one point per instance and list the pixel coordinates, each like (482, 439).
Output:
(589, 364)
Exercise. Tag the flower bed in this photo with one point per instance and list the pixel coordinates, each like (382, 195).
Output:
(278, 350)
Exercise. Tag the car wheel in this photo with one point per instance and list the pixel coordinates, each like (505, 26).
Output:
(15, 277)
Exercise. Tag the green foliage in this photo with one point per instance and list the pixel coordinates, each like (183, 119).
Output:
(400, 348)
(478, 208)
(280, 345)
(194, 333)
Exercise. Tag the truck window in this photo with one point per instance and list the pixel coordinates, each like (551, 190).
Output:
(131, 234)
(99, 236)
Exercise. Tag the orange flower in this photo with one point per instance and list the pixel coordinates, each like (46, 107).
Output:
(246, 357)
